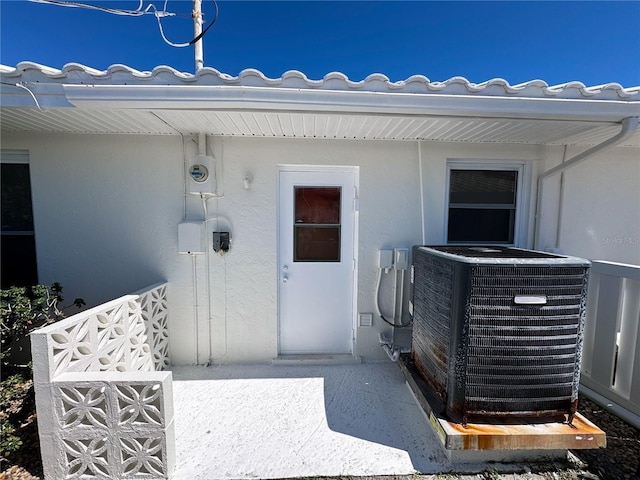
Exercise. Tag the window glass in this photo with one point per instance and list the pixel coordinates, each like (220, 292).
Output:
(16, 198)
(471, 225)
(483, 186)
(317, 224)
(18, 256)
(317, 205)
(482, 206)
(18, 252)
(317, 244)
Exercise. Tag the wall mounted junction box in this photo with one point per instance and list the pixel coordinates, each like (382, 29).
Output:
(191, 238)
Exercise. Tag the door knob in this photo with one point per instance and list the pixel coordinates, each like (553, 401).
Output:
(285, 279)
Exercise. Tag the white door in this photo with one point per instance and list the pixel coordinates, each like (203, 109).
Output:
(316, 260)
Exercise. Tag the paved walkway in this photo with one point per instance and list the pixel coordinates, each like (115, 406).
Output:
(264, 421)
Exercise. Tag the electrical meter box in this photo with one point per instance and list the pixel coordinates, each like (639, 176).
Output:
(202, 176)
(191, 238)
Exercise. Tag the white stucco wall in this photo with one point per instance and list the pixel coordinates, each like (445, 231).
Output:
(103, 210)
(600, 206)
(389, 217)
(107, 209)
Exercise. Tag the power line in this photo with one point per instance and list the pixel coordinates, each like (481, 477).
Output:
(150, 9)
(215, 17)
(116, 11)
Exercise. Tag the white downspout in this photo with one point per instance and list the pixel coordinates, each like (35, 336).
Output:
(421, 190)
(629, 126)
(560, 202)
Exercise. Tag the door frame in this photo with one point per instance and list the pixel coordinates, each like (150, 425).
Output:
(356, 214)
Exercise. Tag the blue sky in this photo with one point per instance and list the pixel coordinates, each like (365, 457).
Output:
(594, 42)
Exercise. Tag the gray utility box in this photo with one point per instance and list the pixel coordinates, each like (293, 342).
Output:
(497, 331)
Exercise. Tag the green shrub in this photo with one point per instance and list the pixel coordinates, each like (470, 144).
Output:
(16, 393)
(24, 309)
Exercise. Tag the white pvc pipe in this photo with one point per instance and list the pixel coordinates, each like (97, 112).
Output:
(202, 144)
(401, 299)
(421, 191)
(394, 291)
(184, 177)
(196, 320)
(377, 302)
(394, 355)
(208, 273)
(560, 202)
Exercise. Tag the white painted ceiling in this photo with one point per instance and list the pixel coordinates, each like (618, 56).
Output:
(309, 125)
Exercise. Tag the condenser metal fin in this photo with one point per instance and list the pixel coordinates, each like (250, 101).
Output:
(498, 330)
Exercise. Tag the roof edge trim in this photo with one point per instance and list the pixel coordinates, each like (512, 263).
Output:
(176, 97)
(75, 72)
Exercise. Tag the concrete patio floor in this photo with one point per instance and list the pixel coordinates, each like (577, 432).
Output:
(275, 421)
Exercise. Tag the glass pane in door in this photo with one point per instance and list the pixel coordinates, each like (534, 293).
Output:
(317, 224)
(317, 205)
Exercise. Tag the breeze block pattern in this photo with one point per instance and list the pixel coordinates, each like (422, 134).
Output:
(153, 303)
(105, 408)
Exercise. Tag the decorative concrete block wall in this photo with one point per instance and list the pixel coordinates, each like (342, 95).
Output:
(104, 408)
(155, 317)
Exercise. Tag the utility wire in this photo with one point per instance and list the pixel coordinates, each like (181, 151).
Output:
(149, 10)
(215, 17)
(395, 325)
(115, 11)
(23, 86)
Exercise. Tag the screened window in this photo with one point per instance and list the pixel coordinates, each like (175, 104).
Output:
(482, 206)
(18, 240)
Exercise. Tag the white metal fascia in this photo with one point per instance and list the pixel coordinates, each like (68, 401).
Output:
(214, 97)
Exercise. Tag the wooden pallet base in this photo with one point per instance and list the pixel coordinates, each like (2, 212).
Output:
(496, 434)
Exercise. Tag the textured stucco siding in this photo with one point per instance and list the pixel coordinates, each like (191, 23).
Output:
(107, 210)
(600, 205)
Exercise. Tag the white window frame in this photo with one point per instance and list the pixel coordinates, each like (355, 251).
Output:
(523, 191)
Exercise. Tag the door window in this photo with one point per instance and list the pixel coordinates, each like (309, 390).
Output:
(316, 229)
